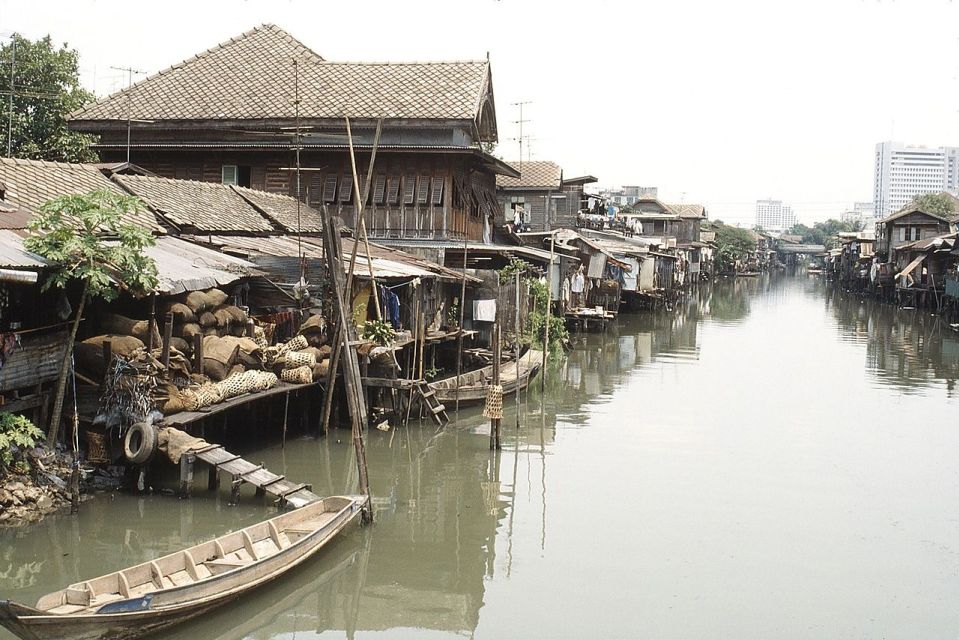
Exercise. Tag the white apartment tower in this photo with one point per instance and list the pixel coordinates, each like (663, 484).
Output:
(773, 215)
(903, 172)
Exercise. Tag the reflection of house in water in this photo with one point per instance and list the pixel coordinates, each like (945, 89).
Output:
(904, 349)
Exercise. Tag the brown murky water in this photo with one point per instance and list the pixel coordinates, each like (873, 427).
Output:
(772, 460)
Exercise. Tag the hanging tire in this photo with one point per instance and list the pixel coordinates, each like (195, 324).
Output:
(140, 443)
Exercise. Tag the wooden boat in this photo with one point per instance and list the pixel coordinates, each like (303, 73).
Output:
(158, 594)
(473, 383)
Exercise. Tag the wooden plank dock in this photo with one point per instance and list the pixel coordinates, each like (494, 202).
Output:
(287, 492)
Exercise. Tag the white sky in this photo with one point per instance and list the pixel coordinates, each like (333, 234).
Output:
(716, 102)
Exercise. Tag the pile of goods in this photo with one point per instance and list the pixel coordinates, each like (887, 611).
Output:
(138, 383)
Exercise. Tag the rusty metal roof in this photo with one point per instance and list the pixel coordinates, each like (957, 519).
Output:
(14, 255)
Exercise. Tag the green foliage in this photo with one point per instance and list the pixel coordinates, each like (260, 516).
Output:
(558, 334)
(72, 232)
(379, 331)
(937, 203)
(732, 244)
(46, 89)
(823, 233)
(453, 315)
(508, 273)
(16, 433)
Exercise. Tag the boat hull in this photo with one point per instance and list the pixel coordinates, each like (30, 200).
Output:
(170, 607)
(472, 390)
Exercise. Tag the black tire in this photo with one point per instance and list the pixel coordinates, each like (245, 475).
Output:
(140, 443)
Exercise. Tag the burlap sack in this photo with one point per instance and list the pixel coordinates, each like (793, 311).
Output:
(223, 317)
(197, 301)
(216, 297)
(321, 370)
(123, 345)
(181, 345)
(239, 316)
(223, 350)
(313, 324)
(189, 330)
(182, 314)
(215, 370)
(121, 325)
(207, 320)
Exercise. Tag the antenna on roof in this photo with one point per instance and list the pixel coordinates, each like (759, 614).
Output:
(520, 122)
(130, 71)
(13, 66)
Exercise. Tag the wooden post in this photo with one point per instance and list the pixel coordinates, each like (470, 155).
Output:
(167, 336)
(494, 434)
(107, 354)
(153, 321)
(331, 379)
(198, 353)
(549, 307)
(286, 411)
(186, 474)
(459, 340)
(213, 478)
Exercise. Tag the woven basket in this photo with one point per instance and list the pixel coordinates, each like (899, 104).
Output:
(295, 344)
(300, 375)
(265, 380)
(97, 448)
(295, 359)
(494, 402)
(208, 394)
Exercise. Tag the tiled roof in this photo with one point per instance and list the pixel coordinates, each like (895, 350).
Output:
(28, 184)
(252, 77)
(205, 206)
(688, 210)
(282, 210)
(534, 174)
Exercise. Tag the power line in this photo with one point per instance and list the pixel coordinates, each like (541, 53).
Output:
(520, 122)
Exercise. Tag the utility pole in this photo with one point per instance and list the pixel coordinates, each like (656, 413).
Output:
(130, 71)
(520, 122)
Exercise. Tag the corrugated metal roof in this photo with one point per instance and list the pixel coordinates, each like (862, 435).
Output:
(184, 266)
(13, 254)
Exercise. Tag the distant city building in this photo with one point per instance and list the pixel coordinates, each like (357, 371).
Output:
(774, 215)
(860, 212)
(629, 195)
(903, 172)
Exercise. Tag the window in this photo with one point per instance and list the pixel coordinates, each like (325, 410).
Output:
(315, 189)
(243, 176)
(438, 183)
(393, 190)
(228, 174)
(379, 189)
(329, 189)
(423, 190)
(409, 189)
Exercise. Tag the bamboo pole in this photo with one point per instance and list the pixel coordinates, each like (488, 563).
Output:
(459, 345)
(549, 306)
(360, 200)
(331, 379)
(516, 347)
(54, 429)
(494, 425)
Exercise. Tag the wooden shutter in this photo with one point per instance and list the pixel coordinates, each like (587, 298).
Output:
(329, 189)
(423, 190)
(409, 189)
(379, 189)
(438, 184)
(346, 188)
(316, 189)
(393, 191)
(362, 182)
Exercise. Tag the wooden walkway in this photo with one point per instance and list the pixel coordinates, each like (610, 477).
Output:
(243, 471)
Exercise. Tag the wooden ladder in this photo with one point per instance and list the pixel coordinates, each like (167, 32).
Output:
(428, 397)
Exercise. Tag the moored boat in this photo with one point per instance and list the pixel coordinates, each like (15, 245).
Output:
(154, 595)
(472, 384)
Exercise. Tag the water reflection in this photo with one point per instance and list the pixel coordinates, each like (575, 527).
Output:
(906, 349)
(648, 492)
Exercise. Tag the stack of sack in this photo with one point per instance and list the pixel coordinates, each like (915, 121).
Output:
(204, 313)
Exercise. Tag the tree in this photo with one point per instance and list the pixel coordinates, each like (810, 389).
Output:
(936, 203)
(86, 239)
(732, 244)
(824, 233)
(46, 88)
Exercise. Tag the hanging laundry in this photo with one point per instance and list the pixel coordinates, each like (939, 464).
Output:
(8, 344)
(484, 310)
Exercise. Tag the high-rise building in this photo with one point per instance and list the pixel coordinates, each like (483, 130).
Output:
(903, 172)
(774, 215)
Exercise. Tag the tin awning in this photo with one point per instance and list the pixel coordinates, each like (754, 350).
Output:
(911, 266)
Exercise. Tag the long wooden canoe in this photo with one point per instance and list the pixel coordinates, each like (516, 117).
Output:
(473, 383)
(154, 595)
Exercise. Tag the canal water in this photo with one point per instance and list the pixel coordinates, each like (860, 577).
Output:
(770, 460)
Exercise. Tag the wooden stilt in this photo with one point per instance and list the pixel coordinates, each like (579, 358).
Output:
(286, 413)
(494, 432)
(187, 461)
(459, 337)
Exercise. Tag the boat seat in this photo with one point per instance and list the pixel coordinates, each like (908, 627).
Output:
(65, 609)
(222, 565)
